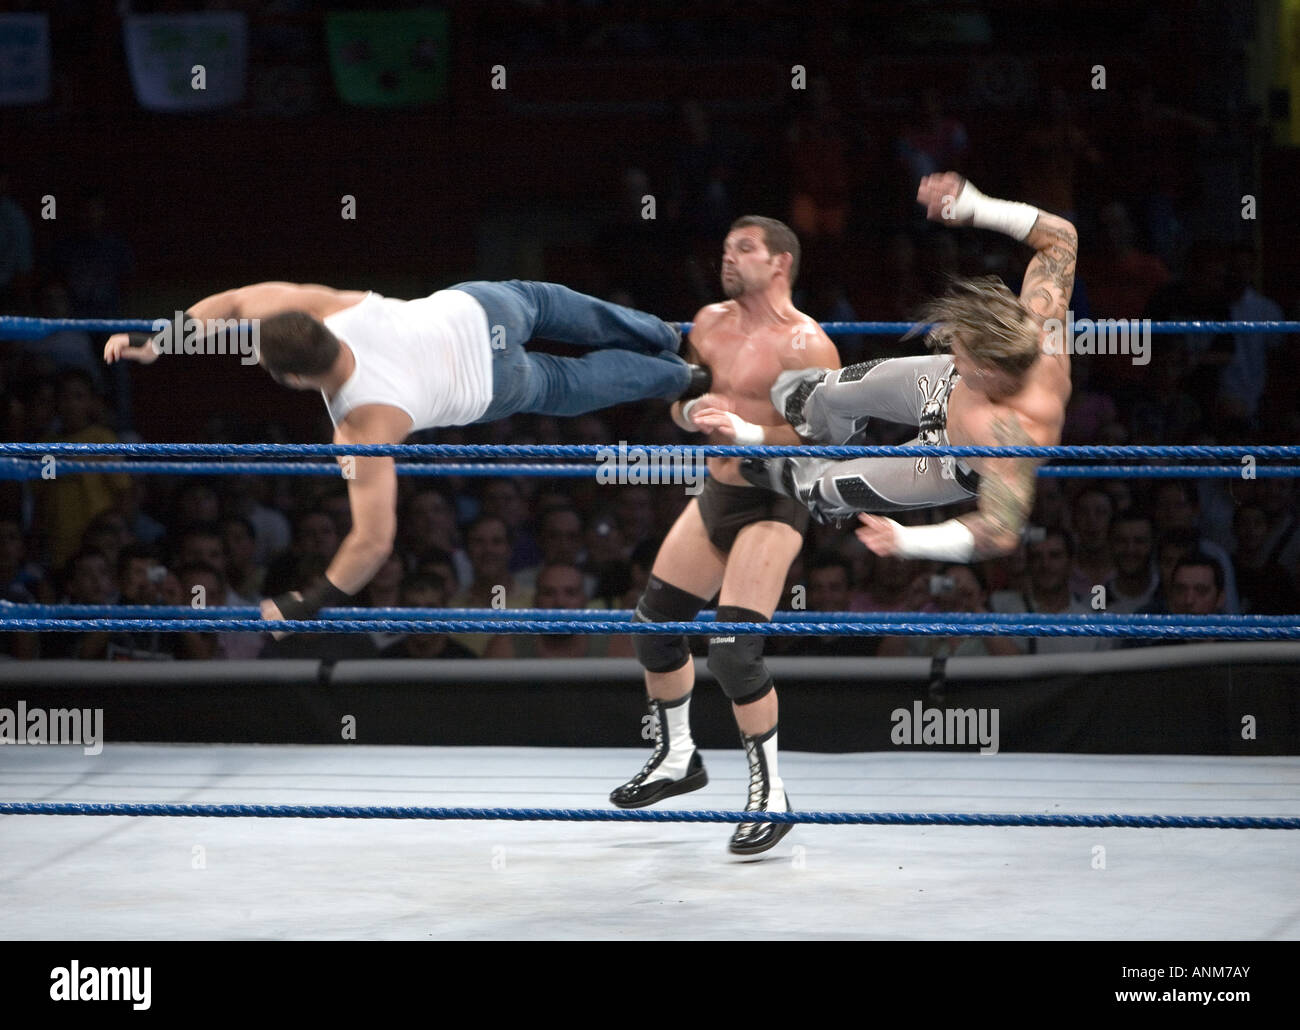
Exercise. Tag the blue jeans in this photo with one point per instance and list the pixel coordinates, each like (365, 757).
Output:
(634, 355)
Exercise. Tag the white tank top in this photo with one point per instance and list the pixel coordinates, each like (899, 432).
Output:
(430, 357)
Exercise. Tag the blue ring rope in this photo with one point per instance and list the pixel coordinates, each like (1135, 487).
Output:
(606, 815)
(14, 327)
(31, 468)
(1172, 630)
(111, 611)
(660, 452)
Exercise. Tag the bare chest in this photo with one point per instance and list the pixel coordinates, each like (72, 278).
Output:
(745, 365)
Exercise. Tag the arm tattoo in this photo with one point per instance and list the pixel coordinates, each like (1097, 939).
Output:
(1006, 493)
(1049, 279)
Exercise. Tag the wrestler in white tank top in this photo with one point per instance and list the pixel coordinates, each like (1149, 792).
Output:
(430, 357)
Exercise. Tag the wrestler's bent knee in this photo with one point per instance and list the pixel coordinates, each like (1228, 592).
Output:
(737, 661)
(663, 602)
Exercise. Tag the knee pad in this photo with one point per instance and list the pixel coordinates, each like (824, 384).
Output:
(663, 602)
(737, 661)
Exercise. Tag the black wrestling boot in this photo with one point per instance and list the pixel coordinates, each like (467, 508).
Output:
(665, 774)
(766, 794)
(700, 384)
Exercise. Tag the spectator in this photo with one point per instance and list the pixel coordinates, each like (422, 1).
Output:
(487, 542)
(1091, 513)
(70, 503)
(1282, 544)
(1197, 587)
(87, 580)
(419, 590)
(94, 261)
(936, 143)
(384, 591)
(1241, 386)
(18, 581)
(314, 537)
(1172, 546)
(67, 348)
(203, 585)
(439, 564)
(1177, 508)
(829, 581)
(559, 540)
(427, 522)
(1137, 580)
(339, 508)
(107, 534)
(15, 251)
(502, 497)
(559, 587)
(245, 496)
(201, 544)
(1123, 279)
(891, 586)
(21, 581)
(1201, 292)
(1049, 593)
(1263, 586)
(957, 588)
(245, 573)
(818, 143)
(195, 503)
(140, 579)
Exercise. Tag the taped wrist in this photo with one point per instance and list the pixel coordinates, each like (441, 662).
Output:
(948, 541)
(1005, 216)
(324, 595)
(747, 434)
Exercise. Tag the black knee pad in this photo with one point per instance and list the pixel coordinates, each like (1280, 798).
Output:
(737, 661)
(663, 602)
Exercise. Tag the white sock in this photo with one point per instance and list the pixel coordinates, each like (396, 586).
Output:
(776, 787)
(680, 743)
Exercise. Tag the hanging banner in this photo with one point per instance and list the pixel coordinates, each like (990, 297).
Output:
(187, 62)
(388, 58)
(24, 59)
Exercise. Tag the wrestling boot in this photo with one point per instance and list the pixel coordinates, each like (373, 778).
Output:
(766, 794)
(700, 384)
(674, 766)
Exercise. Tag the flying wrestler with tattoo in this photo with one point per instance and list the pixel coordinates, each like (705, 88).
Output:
(1000, 377)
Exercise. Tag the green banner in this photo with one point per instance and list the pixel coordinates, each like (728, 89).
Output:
(388, 58)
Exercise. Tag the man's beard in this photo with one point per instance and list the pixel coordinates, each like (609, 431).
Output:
(733, 287)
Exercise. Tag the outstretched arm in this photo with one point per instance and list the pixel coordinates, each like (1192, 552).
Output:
(260, 300)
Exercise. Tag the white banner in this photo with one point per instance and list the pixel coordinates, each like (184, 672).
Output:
(24, 59)
(187, 62)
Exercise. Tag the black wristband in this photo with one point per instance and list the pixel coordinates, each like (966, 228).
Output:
(324, 595)
(138, 339)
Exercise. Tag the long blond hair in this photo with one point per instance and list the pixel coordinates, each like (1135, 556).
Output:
(993, 325)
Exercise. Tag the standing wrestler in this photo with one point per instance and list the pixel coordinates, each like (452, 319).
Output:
(1005, 381)
(387, 368)
(733, 537)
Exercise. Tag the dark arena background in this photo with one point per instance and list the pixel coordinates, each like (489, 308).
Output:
(158, 153)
